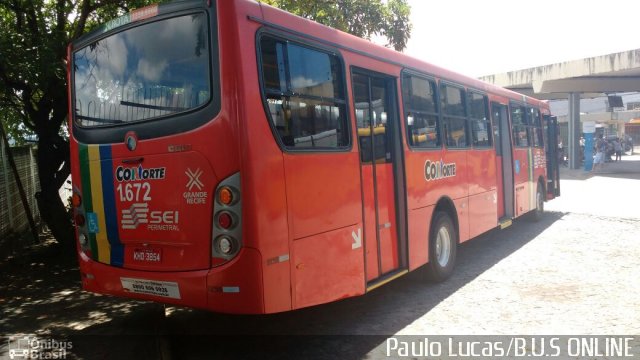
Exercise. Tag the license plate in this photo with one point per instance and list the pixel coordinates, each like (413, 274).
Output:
(165, 289)
(147, 255)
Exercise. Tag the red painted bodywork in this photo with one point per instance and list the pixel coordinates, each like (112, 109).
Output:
(301, 212)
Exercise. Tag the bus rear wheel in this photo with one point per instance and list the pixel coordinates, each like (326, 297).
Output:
(539, 210)
(443, 241)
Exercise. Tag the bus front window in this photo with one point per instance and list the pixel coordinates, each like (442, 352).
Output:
(145, 72)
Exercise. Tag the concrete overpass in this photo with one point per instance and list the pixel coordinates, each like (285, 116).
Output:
(589, 77)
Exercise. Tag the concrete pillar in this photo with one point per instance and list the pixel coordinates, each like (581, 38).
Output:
(575, 131)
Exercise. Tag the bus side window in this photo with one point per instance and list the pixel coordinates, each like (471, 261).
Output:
(479, 117)
(304, 91)
(536, 130)
(421, 113)
(454, 116)
(519, 126)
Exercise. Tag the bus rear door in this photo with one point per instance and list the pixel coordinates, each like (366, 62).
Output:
(378, 139)
(504, 159)
(551, 148)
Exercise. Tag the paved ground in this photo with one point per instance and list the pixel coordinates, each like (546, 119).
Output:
(574, 272)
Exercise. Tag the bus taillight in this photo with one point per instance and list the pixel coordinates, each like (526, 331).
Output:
(76, 200)
(80, 220)
(227, 220)
(225, 245)
(225, 195)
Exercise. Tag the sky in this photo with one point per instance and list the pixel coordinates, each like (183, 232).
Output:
(483, 37)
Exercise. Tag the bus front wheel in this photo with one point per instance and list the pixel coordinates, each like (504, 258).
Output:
(443, 241)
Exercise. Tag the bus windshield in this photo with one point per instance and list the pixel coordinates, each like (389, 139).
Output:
(145, 72)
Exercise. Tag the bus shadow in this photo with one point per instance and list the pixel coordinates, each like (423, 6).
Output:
(351, 328)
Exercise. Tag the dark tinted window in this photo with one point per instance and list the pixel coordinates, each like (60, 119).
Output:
(374, 117)
(145, 72)
(454, 116)
(421, 115)
(519, 126)
(480, 123)
(314, 73)
(304, 90)
(536, 128)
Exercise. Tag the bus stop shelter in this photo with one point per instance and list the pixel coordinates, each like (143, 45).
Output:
(573, 80)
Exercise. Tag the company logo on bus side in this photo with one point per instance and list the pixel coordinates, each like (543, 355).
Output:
(435, 170)
(139, 173)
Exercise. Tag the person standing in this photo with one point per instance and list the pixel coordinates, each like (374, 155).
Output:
(598, 160)
(617, 147)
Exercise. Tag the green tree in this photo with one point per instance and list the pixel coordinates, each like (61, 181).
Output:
(33, 40)
(34, 35)
(363, 18)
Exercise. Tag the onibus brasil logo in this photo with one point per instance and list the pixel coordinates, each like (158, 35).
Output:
(32, 347)
(434, 170)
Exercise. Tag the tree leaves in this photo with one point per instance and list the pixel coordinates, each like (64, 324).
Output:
(363, 18)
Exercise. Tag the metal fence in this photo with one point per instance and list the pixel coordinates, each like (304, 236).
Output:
(13, 217)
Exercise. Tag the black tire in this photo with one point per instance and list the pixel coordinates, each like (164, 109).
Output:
(441, 265)
(538, 212)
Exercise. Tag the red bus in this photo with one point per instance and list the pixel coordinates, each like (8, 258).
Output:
(230, 156)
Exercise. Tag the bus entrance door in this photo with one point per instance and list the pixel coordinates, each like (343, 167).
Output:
(551, 148)
(377, 138)
(504, 159)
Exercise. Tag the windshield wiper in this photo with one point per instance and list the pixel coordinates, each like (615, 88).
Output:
(153, 107)
(99, 120)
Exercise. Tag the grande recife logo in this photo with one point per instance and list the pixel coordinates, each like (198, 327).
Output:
(434, 170)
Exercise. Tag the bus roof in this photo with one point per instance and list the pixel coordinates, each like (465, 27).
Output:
(283, 20)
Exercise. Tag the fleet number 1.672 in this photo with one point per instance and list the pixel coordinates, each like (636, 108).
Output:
(134, 191)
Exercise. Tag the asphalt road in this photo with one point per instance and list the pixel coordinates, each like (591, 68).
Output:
(574, 272)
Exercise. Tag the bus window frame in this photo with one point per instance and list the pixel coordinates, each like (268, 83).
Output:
(524, 123)
(411, 72)
(166, 125)
(537, 127)
(487, 109)
(444, 82)
(303, 42)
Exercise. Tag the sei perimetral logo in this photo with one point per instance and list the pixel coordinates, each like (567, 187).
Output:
(32, 347)
(434, 170)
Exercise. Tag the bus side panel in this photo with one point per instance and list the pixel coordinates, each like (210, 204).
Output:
(457, 188)
(370, 236)
(324, 197)
(521, 174)
(265, 223)
(483, 213)
(500, 187)
(539, 168)
(323, 192)
(387, 218)
(328, 267)
(236, 287)
(483, 209)
(419, 224)
(422, 192)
